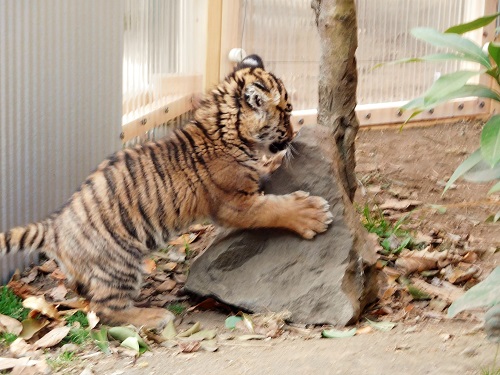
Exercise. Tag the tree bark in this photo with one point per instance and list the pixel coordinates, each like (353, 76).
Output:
(338, 80)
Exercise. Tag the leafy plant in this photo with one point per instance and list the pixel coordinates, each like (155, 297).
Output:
(79, 317)
(61, 361)
(484, 164)
(78, 334)
(11, 305)
(176, 308)
(375, 222)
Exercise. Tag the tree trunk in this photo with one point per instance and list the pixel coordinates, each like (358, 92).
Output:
(338, 79)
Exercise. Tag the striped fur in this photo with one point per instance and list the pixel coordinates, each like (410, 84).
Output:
(139, 197)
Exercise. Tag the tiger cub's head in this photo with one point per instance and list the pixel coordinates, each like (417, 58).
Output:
(264, 106)
(250, 106)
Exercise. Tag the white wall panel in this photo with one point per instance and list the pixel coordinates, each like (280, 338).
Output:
(60, 100)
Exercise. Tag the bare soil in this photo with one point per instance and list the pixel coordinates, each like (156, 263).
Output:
(412, 164)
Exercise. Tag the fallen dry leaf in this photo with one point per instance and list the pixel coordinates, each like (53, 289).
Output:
(364, 330)
(38, 303)
(31, 276)
(21, 289)
(93, 319)
(184, 239)
(9, 363)
(52, 338)
(461, 272)
(48, 267)
(445, 291)
(59, 292)
(422, 260)
(58, 275)
(149, 266)
(166, 286)
(31, 327)
(20, 348)
(189, 346)
(399, 205)
(10, 325)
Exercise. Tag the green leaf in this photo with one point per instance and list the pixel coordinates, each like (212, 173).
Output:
(482, 172)
(447, 84)
(131, 343)
(484, 294)
(101, 340)
(472, 25)
(417, 294)
(123, 333)
(493, 218)
(463, 92)
(436, 57)
(490, 140)
(494, 189)
(464, 46)
(382, 326)
(494, 51)
(467, 164)
(232, 321)
(336, 334)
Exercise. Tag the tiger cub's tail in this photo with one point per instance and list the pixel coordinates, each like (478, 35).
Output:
(31, 237)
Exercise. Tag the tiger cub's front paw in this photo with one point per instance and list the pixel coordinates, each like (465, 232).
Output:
(312, 214)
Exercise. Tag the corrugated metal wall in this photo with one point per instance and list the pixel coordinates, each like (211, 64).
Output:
(60, 100)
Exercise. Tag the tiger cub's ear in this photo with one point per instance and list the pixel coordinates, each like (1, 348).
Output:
(251, 61)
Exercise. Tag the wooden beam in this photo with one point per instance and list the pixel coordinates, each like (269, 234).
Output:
(230, 34)
(214, 29)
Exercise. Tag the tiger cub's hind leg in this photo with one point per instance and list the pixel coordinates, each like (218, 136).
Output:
(113, 303)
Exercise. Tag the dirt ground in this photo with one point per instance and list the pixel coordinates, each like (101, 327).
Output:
(392, 166)
(413, 164)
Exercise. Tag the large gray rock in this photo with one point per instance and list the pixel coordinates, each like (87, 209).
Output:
(326, 280)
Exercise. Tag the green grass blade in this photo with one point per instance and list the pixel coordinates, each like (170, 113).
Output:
(467, 164)
(464, 46)
(490, 141)
(495, 188)
(472, 25)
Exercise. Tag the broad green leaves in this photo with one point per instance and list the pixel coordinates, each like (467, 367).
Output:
(490, 141)
(463, 46)
(484, 164)
(472, 25)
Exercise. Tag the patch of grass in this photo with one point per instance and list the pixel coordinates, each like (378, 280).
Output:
(492, 371)
(375, 222)
(61, 361)
(77, 335)
(11, 305)
(79, 317)
(7, 338)
(176, 308)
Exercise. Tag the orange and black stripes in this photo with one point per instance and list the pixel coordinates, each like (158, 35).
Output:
(137, 198)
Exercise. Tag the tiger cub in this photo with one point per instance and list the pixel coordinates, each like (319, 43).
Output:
(137, 198)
